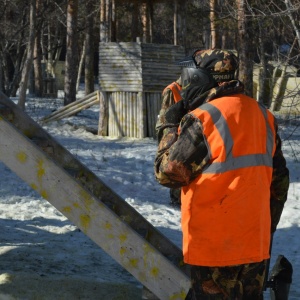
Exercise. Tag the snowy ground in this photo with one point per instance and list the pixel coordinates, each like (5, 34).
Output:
(37, 240)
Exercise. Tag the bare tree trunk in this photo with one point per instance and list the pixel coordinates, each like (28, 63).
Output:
(50, 64)
(102, 21)
(28, 62)
(280, 87)
(293, 21)
(108, 20)
(38, 75)
(113, 34)
(51, 51)
(181, 28)
(89, 52)
(72, 53)
(213, 25)
(245, 49)
(107, 24)
(263, 90)
(134, 22)
(144, 17)
(14, 84)
(103, 114)
(58, 38)
(175, 22)
(1, 74)
(81, 63)
(5, 74)
(223, 40)
(150, 21)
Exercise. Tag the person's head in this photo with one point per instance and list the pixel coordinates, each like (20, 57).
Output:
(209, 68)
(221, 64)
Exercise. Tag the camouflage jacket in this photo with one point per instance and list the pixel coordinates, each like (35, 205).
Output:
(167, 101)
(181, 158)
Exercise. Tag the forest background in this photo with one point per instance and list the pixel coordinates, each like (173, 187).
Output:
(39, 33)
(36, 35)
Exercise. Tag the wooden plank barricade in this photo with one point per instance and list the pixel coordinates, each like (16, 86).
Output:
(73, 108)
(133, 76)
(30, 152)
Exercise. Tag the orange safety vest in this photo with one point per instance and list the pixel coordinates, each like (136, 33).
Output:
(226, 210)
(176, 89)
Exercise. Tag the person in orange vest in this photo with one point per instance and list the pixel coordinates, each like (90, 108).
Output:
(170, 95)
(223, 150)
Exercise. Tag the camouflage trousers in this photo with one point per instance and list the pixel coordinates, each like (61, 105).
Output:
(240, 282)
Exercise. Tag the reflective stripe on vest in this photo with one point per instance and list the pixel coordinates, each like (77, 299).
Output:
(233, 163)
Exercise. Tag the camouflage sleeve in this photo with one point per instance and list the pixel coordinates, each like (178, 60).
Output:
(181, 158)
(167, 101)
(279, 185)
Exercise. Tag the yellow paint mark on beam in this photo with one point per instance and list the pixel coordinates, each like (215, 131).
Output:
(22, 157)
(76, 205)
(123, 237)
(147, 250)
(177, 296)
(41, 170)
(67, 209)
(88, 201)
(33, 186)
(85, 221)
(122, 251)
(44, 194)
(133, 262)
(154, 271)
(107, 225)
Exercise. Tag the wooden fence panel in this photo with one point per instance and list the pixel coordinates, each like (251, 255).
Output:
(134, 75)
(126, 114)
(133, 114)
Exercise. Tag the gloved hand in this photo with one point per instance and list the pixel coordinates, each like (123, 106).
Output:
(175, 112)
